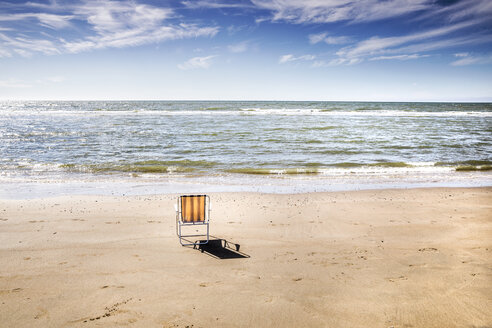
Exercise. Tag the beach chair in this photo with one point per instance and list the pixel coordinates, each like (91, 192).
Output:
(192, 210)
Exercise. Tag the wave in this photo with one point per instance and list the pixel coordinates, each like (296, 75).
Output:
(474, 168)
(385, 164)
(471, 165)
(272, 171)
(212, 168)
(365, 168)
(469, 162)
(151, 166)
(125, 168)
(255, 111)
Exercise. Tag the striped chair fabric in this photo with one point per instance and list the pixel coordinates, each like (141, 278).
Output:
(193, 208)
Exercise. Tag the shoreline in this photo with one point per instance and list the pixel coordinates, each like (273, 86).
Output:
(379, 258)
(274, 184)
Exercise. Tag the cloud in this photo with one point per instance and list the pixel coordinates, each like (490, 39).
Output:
(290, 58)
(47, 20)
(126, 24)
(19, 84)
(113, 17)
(55, 79)
(406, 46)
(324, 37)
(138, 36)
(399, 57)
(329, 11)
(336, 62)
(478, 10)
(213, 4)
(5, 53)
(238, 47)
(468, 59)
(233, 29)
(197, 62)
(317, 38)
(470, 16)
(431, 44)
(15, 84)
(25, 46)
(104, 24)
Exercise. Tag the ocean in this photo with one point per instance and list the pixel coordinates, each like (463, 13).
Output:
(135, 147)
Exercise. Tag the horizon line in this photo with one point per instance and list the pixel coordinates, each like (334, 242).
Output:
(261, 100)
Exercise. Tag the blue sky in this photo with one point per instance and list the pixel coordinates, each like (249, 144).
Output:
(352, 50)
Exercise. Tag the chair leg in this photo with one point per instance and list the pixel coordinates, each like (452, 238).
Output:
(180, 236)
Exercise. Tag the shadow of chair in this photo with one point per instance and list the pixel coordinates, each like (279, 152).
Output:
(221, 249)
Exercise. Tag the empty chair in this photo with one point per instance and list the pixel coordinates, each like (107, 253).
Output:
(192, 210)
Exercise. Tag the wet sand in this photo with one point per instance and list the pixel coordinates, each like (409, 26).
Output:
(384, 258)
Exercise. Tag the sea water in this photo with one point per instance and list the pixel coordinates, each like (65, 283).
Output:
(53, 147)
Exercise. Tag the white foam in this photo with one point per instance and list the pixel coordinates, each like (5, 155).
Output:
(382, 113)
(246, 111)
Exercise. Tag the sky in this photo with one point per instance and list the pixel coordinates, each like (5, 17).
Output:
(309, 50)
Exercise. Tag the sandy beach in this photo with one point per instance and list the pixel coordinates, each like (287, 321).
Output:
(383, 258)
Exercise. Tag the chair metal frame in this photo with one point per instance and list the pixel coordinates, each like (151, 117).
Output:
(180, 223)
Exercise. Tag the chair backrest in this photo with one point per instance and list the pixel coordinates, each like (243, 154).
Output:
(193, 208)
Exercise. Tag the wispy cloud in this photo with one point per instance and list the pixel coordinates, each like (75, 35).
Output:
(213, 4)
(197, 62)
(324, 37)
(138, 36)
(124, 24)
(449, 42)
(336, 62)
(399, 57)
(56, 79)
(329, 11)
(25, 46)
(406, 46)
(239, 47)
(114, 17)
(454, 19)
(468, 59)
(291, 58)
(478, 10)
(377, 45)
(15, 84)
(21, 84)
(48, 20)
(105, 24)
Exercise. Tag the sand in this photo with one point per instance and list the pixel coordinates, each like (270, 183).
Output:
(385, 258)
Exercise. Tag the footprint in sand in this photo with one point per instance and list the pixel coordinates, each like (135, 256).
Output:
(417, 265)
(42, 312)
(396, 279)
(8, 291)
(109, 311)
(428, 249)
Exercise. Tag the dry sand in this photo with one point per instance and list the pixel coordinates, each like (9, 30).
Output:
(386, 258)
